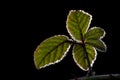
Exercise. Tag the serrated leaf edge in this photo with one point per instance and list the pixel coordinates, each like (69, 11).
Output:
(100, 28)
(104, 45)
(79, 64)
(100, 39)
(51, 63)
(87, 27)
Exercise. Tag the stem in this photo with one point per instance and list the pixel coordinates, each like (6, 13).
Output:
(101, 77)
(89, 66)
(86, 53)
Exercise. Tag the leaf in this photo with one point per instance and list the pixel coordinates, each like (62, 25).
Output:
(95, 33)
(78, 23)
(93, 37)
(98, 44)
(51, 51)
(79, 55)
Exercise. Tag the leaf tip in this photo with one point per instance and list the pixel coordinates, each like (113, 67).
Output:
(104, 49)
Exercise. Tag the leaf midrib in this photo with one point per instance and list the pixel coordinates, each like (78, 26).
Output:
(80, 30)
(52, 50)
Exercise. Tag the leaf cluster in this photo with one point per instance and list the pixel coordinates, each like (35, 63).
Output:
(85, 42)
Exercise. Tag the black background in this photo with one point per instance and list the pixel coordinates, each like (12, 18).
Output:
(48, 18)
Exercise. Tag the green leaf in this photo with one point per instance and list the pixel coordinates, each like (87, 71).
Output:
(79, 55)
(98, 44)
(78, 23)
(95, 33)
(93, 37)
(51, 51)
